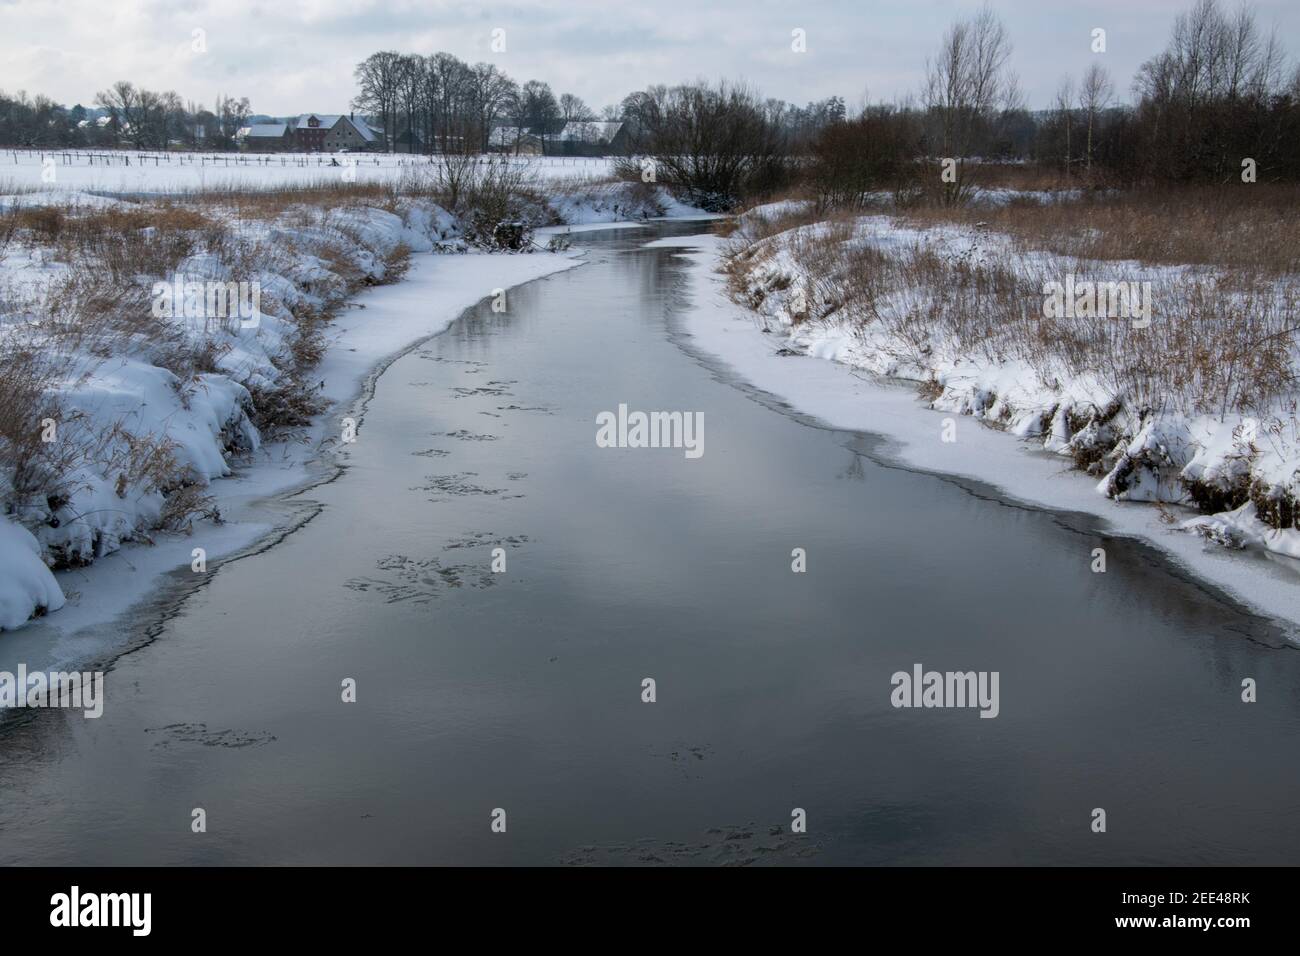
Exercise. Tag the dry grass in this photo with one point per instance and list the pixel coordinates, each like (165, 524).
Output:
(1254, 227)
(100, 307)
(396, 263)
(126, 240)
(1021, 176)
(30, 465)
(267, 205)
(759, 222)
(1219, 342)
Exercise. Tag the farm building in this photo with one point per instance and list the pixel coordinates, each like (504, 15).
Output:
(591, 138)
(264, 138)
(327, 132)
(409, 142)
(515, 140)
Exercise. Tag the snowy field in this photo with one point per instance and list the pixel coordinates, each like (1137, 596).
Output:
(132, 172)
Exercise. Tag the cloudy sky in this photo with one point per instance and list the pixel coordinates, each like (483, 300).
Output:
(290, 56)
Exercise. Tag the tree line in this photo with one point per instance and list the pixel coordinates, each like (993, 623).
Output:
(439, 103)
(1221, 103)
(124, 114)
(1220, 97)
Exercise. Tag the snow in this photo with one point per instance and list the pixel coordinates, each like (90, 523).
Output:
(825, 379)
(134, 172)
(615, 202)
(25, 582)
(1162, 454)
(383, 323)
(106, 535)
(118, 409)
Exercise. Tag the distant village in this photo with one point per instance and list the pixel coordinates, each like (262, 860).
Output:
(126, 128)
(404, 103)
(330, 132)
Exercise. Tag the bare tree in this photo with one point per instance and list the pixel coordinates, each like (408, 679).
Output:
(1214, 95)
(967, 87)
(452, 82)
(715, 145)
(849, 159)
(1094, 96)
(377, 79)
(574, 110)
(1064, 105)
(491, 93)
(408, 79)
(122, 100)
(232, 114)
(172, 119)
(540, 110)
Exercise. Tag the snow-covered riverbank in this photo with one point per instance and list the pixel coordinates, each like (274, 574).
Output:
(1194, 407)
(818, 381)
(123, 406)
(380, 324)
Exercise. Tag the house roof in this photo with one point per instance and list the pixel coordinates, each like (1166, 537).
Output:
(330, 120)
(589, 131)
(508, 136)
(263, 130)
(327, 120)
(368, 133)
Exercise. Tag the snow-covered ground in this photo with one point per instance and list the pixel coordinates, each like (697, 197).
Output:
(133, 172)
(827, 373)
(1150, 409)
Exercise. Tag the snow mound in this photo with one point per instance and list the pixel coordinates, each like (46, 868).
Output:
(27, 586)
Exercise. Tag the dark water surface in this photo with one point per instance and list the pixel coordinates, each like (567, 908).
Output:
(522, 690)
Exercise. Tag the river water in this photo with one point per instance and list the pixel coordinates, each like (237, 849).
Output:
(522, 690)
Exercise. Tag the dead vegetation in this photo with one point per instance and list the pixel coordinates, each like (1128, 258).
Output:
(98, 307)
(1222, 335)
(1253, 227)
(30, 465)
(1219, 341)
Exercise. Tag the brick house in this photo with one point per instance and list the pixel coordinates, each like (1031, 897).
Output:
(328, 132)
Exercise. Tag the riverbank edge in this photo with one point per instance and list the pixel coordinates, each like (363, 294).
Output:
(852, 399)
(374, 328)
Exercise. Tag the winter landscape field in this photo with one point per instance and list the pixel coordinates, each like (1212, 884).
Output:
(134, 172)
(662, 472)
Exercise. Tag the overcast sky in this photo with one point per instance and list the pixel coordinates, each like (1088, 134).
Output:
(291, 56)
